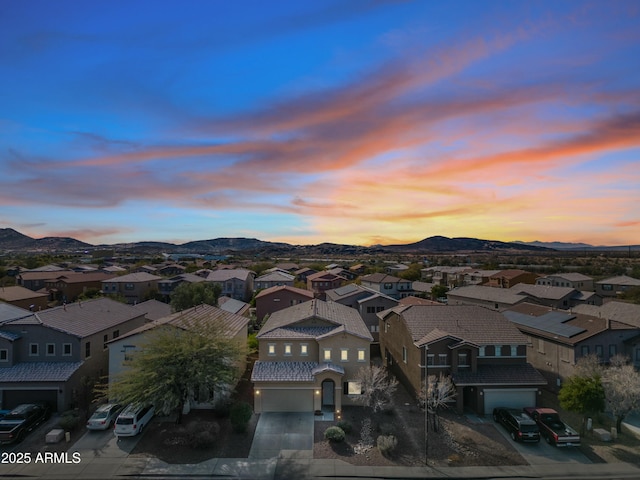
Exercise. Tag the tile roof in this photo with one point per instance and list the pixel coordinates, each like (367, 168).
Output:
(270, 290)
(478, 292)
(471, 323)
(228, 274)
(83, 277)
(137, 277)
(512, 375)
(291, 371)
(382, 278)
(230, 323)
(16, 292)
(276, 276)
(39, 372)
(623, 312)
(83, 319)
(11, 312)
(153, 309)
(621, 280)
(572, 276)
(543, 291)
(330, 312)
(297, 332)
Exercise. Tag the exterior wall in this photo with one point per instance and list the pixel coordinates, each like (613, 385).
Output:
(264, 284)
(395, 290)
(393, 338)
(132, 292)
(268, 304)
(38, 302)
(369, 310)
(279, 344)
(42, 336)
(558, 281)
(502, 281)
(498, 306)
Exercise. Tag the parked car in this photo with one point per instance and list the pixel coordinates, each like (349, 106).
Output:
(520, 426)
(15, 425)
(104, 416)
(554, 430)
(131, 420)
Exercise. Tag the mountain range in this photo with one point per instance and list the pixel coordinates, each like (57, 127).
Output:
(12, 240)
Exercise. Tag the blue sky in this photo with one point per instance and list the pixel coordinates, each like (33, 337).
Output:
(356, 122)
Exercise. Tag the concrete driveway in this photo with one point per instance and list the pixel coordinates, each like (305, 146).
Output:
(283, 435)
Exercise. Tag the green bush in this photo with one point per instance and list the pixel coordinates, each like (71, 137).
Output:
(334, 434)
(345, 426)
(387, 444)
(69, 420)
(240, 415)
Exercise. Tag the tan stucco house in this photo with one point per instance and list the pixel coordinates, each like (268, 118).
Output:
(309, 357)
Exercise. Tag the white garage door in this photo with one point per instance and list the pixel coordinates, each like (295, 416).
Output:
(287, 400)
(509, 397)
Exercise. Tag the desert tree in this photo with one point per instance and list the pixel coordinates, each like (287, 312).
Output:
(176, 363)
(187, 295)
(621, 384)
(377, 387)
(436, 394)
(584, 395)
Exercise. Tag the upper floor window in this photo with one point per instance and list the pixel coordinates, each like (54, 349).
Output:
(481, 351)
(271, 349)
(129, 286)
(326, 356)
(430, 358)
(87, 350)
(33, 349)
(66, 349)
(599, 351)
(51, 349)
(498, 350)
(362, 355)
(388, 286)
(287, 349)
(463, 359)
(344, 355)
(613, 350)
(442, 359)
(404, 354)
(304, 349)
(514, 350)
(4, 355)
(584, 350)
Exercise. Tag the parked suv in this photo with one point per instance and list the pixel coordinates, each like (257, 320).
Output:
(520, 426)
(132, 420)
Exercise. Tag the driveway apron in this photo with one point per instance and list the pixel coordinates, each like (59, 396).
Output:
(283, 434)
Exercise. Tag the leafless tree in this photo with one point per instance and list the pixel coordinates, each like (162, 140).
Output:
(621, 384)
(377, 387)
(439, 393)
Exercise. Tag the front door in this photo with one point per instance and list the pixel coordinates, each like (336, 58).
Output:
(328, 393)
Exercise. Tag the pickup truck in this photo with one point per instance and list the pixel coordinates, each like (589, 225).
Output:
(552, 429)
(15, 425)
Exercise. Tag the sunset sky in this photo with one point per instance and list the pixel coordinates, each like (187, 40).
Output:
(358, 122)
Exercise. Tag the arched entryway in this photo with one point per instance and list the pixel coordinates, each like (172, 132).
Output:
(328, 393)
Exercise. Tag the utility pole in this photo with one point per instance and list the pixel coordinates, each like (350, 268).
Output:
(426, 406)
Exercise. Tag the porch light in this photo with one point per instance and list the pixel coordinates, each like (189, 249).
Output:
(257, 392)
(317, 392)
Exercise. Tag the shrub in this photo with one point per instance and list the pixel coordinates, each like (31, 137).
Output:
(240, 415)
(387, 444)
(345, 426)
(69, 420)
(334, 434)
(202, 435)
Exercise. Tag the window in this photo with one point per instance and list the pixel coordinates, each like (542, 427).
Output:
(613, 350)
(271, 349)
(304, 349)
(607, 287)
(116, 334)
(404, 354)
(128, 354)
(386, 327)
(4, 355)
(371, 309)
(353, 388)
(442, 359)
(514, 350)
(430, 359)
(87, 350)
(66, 349)
(375, 328)
(129, 286)
(498, 350)
(287, 349)
(105, 339)
(599, 351)
(33, 349)
(481, 351)
(362, 355)
(463, 359)
(584, 350)
(540, 345)
(388, 286)
(51, 349)
(344, 354)
(327, 355)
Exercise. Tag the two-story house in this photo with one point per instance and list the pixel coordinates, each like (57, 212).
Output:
(68, 287)
(493, 298)
(571, 279)
(557, 297)
(368, 303)
(234, 282)
(320, 282)
(278, 298)
(389, 285)
(612, 287)
(509, 278)
(557, 339)
(274, 279)
(36, 279)
(166, 286)
(134, 287)
(45, 355)
(485, 355)
(232, 325)
(309, 358)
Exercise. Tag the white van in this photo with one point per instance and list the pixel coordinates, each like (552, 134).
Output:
(132, 420)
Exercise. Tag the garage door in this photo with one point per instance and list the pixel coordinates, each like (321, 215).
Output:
(13, 398)
(287, 400)
(507, 397)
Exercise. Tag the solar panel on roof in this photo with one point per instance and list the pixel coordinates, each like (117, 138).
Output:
(346, 289)
(551, 322)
